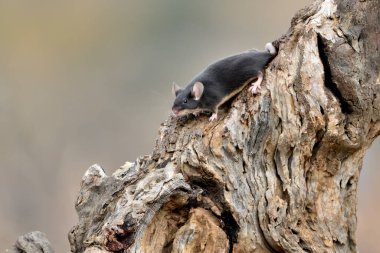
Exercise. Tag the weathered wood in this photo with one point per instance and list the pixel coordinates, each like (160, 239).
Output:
(278, 172)
(33, 242)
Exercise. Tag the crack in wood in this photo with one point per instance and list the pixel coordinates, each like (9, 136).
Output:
(329, 83)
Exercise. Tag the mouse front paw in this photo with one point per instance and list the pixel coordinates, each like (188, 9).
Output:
(213, 117)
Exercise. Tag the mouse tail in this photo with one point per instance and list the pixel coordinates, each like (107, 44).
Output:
(270, 48)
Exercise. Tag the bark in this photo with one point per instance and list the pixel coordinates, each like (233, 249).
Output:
(278, 172)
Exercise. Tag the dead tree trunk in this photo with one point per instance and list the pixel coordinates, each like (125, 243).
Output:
(278, 172)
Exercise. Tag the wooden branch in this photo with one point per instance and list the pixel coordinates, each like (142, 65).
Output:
(278, 172)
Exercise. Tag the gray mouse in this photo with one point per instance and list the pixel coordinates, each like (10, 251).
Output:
(222, 80)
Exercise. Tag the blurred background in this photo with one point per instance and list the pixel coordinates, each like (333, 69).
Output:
(85, 82)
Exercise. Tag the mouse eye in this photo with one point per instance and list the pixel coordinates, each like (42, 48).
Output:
(185, 101)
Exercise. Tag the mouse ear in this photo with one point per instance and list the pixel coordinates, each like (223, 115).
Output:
(175, 89)
(197, 90)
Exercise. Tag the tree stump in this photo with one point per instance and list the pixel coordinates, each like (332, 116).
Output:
(278, 172)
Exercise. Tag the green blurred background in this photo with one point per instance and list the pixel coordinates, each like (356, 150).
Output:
(85, 82)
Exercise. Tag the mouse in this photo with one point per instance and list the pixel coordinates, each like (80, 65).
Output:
(221, 81)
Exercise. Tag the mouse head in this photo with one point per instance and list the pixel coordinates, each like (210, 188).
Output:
(187, 99)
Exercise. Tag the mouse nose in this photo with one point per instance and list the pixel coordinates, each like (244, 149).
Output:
(175, 110)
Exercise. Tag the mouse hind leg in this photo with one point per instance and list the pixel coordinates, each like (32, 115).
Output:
(255, 86)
